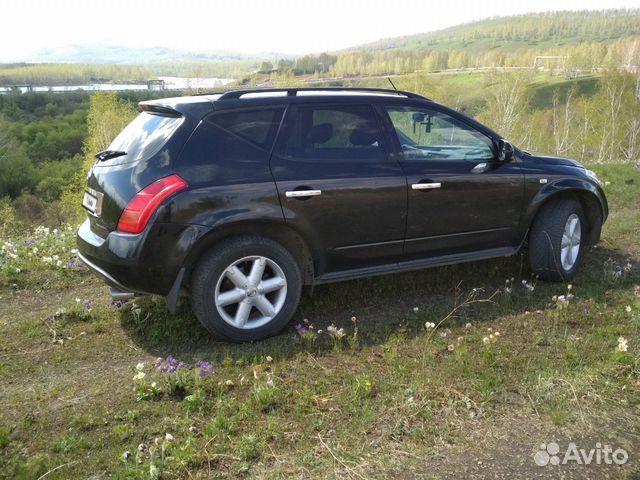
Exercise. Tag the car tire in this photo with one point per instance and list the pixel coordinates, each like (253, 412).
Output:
(557, 240)
(246, 288)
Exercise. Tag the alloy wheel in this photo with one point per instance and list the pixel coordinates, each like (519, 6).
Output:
(251, 292)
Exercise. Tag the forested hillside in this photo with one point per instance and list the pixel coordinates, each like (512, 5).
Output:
(508, 34)
(585, 41)
(43, 143)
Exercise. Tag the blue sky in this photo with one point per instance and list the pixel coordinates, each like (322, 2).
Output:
(248, 26)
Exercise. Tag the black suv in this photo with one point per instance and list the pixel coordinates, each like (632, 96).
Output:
(241, 198)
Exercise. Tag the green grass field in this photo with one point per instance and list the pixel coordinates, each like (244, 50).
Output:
(502, 371)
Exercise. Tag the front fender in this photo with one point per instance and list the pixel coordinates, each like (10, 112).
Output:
(582, 187)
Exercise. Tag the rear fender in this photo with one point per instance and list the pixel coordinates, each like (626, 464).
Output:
(304, 250)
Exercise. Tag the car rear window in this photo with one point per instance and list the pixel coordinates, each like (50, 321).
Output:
(143, 137)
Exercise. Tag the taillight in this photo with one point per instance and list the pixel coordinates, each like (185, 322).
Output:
(135, 217)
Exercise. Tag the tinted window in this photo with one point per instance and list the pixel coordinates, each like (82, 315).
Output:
(256, 126)
(349, 132)
(143, 137)
(215, 156)
(431, 135)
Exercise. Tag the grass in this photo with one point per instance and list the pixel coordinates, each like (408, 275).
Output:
(393, 399)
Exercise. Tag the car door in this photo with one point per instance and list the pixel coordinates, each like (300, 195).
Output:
(338, 186)
(460, 197)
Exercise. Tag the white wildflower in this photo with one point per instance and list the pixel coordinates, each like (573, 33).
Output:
(139, 376)
(622, 344)
(335, 332)
(139, 366)
(429, 325)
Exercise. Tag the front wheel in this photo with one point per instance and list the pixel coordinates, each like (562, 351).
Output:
(556, 242)
(246, 289)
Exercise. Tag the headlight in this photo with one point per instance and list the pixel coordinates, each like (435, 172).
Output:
(591, 174)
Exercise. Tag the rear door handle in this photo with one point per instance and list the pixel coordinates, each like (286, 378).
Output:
(302, 193)
(426, 186)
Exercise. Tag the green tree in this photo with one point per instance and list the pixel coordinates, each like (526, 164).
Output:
(16, 170)
(108, 115)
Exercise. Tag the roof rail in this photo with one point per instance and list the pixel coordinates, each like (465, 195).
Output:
(292, 92)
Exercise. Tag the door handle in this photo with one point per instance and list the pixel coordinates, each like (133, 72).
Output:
(302, 193)
(426, 186)
(480, 168)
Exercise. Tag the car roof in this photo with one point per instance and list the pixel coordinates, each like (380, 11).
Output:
(197, 105)
(262, 96)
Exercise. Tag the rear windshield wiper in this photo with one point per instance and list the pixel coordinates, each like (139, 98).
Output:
(107, 154)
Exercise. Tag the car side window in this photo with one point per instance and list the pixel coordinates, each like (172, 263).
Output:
(258, 126)
(344, 132)
(431, 135)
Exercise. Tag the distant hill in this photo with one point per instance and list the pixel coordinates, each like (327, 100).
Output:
(521, 32)
(118, 55)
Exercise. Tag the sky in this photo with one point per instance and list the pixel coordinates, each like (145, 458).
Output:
(246, 26)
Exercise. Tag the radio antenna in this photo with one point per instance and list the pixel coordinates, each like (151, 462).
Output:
(394, 87)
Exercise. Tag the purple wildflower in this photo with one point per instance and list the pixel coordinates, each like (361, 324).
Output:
(119, 304)
(88, 305)
(306, 328)
(171, 365)
(30, 241)
(205, 368)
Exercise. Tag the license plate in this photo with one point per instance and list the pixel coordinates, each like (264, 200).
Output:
(90, 202)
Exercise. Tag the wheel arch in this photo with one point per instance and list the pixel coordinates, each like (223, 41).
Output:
(301, 250)
(591, 201)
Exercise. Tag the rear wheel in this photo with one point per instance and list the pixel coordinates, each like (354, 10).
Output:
(556, 242)
(246, 289)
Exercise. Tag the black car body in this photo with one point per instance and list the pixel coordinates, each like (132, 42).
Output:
(351, 183)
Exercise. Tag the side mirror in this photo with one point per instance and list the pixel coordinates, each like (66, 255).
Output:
(422, 119)
(505, 151)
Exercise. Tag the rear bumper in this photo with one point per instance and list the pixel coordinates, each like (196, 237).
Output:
(108, 279)
(115, 259)
(147, 263)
